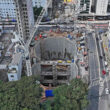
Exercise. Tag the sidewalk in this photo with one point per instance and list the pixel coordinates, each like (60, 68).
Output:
(106, 51)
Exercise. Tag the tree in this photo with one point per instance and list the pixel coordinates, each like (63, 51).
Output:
(24, 94)
(70, 97)
(37, 12)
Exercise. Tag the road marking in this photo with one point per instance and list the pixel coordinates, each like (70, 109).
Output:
(96, 83)
(97, 56)
(100, 87)
(95, 79)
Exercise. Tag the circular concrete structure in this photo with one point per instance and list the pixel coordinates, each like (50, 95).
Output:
(57, 48)
(48, 51)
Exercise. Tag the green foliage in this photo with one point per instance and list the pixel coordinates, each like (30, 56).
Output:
(46, 105)
(70, 97)
(24, 94)
(37, 12)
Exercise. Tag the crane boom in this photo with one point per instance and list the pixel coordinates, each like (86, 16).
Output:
(37, 24)
(27, 55)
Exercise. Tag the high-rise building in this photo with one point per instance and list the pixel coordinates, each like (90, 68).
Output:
(15, 67)
(101, 7)
(93, 6)
(7, 9)
(25, 17)
(98, 7)
(44, 4)
(108, 8)
(87, 4)
(39, 3)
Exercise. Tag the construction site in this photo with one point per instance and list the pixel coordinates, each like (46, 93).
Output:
(53, 58)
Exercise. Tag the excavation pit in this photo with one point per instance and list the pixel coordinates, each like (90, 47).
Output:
(54, 60)
(55, 49)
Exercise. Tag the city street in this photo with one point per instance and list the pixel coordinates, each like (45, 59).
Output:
(99, 100)
(104, 98)
(93, 72)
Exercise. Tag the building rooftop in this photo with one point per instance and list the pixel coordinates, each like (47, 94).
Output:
(16, 59)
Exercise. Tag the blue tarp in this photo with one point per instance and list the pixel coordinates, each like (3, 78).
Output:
(69, 36)
(72, 60)
(13, 20)
(49, 93)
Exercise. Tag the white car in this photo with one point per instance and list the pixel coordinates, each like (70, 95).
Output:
(106, 63)
(106, 90)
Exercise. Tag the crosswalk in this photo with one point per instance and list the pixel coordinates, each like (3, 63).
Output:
(96, 83)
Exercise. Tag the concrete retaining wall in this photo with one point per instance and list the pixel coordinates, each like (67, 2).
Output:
(56, 49)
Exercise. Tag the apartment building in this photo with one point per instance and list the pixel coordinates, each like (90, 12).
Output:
(97, 7)
(15, 67)
(101, 7)
(38, 3)
(7, 9)
(87, 5)
(25, 17)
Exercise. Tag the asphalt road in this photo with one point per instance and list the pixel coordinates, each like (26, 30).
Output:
(100, 98)
(93, 72)
(101, 53)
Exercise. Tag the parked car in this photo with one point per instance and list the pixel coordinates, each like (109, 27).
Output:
(106, 91)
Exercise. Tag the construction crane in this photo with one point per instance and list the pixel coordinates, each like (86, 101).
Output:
(27, 45)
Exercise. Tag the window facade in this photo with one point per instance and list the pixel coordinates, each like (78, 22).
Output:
(8, 9)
